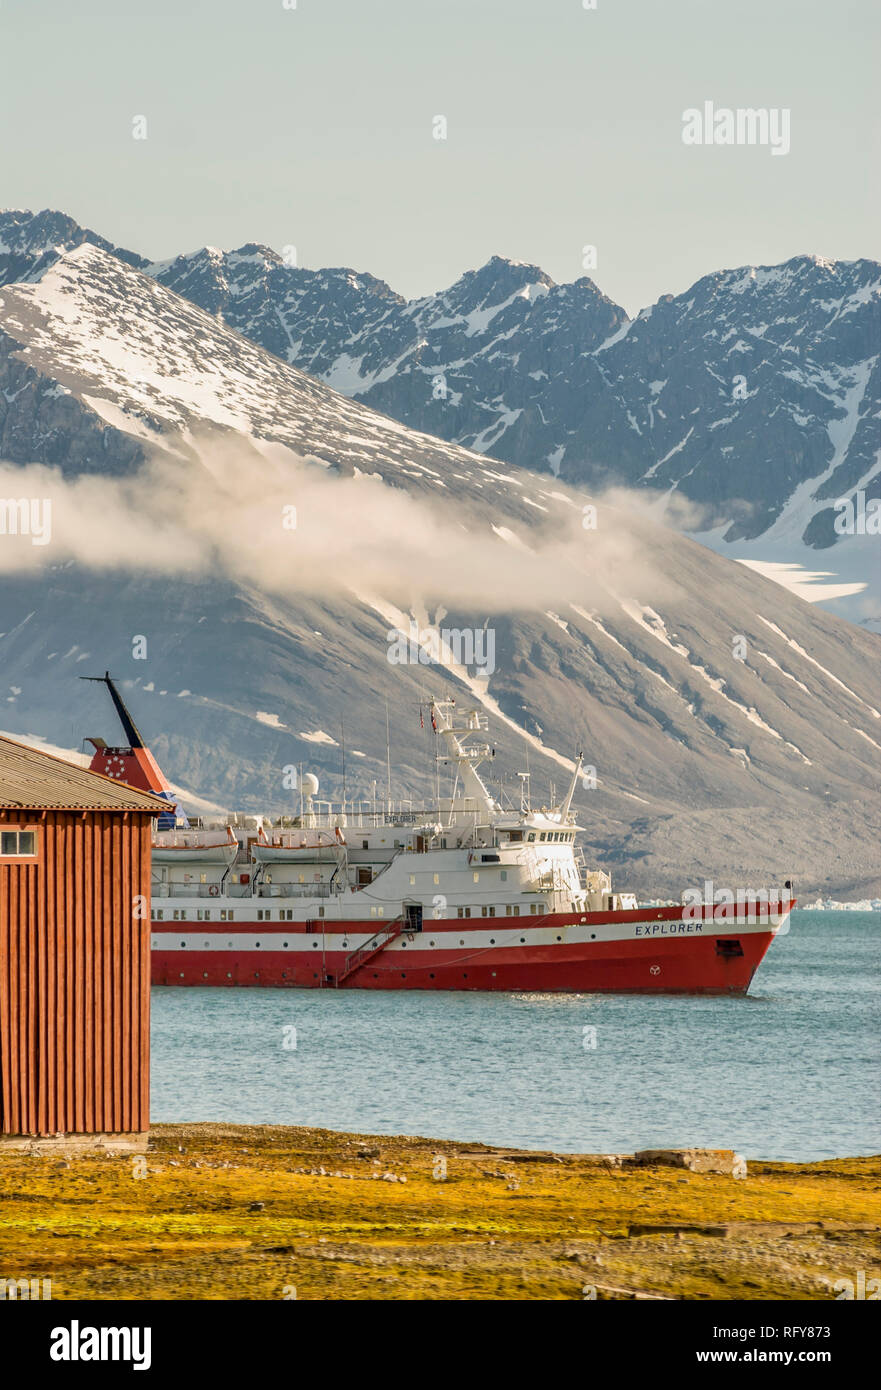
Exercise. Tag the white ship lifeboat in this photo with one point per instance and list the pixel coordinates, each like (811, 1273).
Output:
(195, 846)
(299, 846)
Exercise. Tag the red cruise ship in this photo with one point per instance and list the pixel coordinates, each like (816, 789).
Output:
(462, 894)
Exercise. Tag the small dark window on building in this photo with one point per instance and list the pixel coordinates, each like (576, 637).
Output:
(13, 842)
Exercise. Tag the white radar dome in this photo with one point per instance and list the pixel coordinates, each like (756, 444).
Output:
(310, 784)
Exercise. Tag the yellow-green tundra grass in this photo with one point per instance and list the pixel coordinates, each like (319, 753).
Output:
(248, 1212)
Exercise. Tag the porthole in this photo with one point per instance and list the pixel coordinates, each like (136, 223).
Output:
(431, 943)
(431, 977)
(204, 974)
(256, 974)
(183, 943)
(345, 945)
(181, 974)
(403, 945)
(559, 938)
(461, 943)
(523, 941)
(257, 944)
(207, 943)
(229, 974)
(492, 941)
(593, 936)
(314, 948)
(285, 945)
(284, 974)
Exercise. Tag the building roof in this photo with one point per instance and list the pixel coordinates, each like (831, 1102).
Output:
(36, 781)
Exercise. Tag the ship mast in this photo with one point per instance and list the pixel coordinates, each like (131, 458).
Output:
(466, 757)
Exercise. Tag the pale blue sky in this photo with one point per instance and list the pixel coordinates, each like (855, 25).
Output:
(313, 127)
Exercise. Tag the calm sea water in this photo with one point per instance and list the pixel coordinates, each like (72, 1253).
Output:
(789, 1072)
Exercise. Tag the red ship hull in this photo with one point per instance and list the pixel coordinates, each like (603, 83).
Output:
(710, 955)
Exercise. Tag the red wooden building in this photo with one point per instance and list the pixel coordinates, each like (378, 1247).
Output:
(74, 948)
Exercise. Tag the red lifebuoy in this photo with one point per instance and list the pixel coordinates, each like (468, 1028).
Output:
(213, 891)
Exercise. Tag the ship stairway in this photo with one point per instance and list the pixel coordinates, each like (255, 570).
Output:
(370, 950)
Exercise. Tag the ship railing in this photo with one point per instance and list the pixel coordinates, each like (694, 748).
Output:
(200, 890)
(244, 890)
(362, 819)
(359, 816)
(296, 890)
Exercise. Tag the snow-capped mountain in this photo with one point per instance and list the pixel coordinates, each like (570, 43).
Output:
(734, 731)
(30, 243)
(747, 406)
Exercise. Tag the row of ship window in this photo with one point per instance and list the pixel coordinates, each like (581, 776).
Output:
(265, 914)
(285, 945)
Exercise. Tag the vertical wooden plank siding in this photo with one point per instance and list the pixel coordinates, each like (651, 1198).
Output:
(75, 975)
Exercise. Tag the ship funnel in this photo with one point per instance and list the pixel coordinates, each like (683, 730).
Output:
(132, 762)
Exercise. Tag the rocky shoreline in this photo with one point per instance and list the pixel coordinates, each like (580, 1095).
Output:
(215, 1211)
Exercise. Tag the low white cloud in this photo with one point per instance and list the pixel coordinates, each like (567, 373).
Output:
(266, 517)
